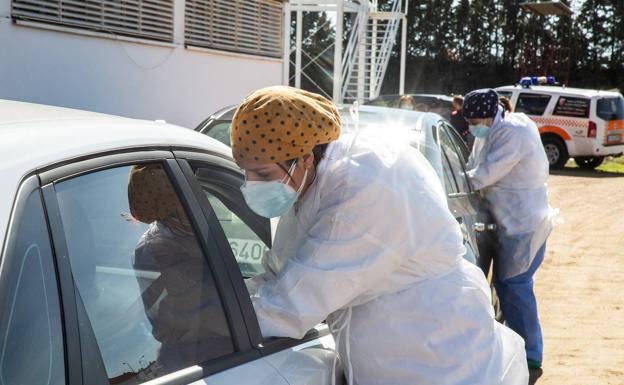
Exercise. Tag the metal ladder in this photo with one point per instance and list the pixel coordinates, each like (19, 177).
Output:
(368, 53)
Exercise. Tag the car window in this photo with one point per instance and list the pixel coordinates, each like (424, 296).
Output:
(247, 233)
(447, 175)
(532, 104)
(221, 132)
(572, 107)
(31, 337)
(455, 159)
(610, 108)
(384, 102)
(459, 143)
(247, 247)
(449, 183)
(145, 283)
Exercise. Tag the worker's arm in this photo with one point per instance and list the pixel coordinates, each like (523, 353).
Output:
(505, 151)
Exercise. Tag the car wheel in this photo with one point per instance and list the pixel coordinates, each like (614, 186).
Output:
(556, 152)
(589, 162)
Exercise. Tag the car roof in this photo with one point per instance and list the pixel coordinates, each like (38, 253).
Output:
(226, 113)
(37, 136)
(568, 91)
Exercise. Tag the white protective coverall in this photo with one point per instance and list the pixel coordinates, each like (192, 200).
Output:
(510, 166)
(374, 249)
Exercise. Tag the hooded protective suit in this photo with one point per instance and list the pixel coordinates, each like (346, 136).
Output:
(373, 249)
(510, 166)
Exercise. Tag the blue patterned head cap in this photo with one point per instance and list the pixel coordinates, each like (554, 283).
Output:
(480, 104)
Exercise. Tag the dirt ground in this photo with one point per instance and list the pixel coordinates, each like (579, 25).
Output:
(580, 286)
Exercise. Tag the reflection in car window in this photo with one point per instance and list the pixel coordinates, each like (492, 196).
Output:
(532, 104)
(31, 338)
(429, 146)
(141, 274)
(449, 183)
(221, 132)
(456, 162)
(228, 204)
(459, 144)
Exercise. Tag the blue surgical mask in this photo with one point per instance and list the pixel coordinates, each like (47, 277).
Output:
(271, 199)
(479, 130)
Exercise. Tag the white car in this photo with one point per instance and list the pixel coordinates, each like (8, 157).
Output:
(85, 299)
(583, 124)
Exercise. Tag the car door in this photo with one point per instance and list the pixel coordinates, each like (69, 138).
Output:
(32, 349)
(244, 238)
(146, 295)
(467, 206)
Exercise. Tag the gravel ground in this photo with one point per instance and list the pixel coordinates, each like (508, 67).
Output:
(580, 286)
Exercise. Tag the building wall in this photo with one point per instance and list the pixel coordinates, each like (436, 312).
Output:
(127, 77)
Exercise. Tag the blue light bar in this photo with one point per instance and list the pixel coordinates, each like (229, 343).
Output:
(528, 81)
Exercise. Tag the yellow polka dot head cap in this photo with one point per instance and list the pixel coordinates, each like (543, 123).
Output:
(280, 123)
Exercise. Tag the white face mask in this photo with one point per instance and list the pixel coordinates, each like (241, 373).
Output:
(272, 199)
(479, 130)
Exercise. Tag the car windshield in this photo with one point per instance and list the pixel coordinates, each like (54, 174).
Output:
(610, 108)
(421, 129)
(385, 101)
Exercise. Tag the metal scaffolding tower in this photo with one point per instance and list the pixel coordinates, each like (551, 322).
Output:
(359, 66)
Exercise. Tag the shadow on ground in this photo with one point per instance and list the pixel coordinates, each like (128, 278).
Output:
(577, 172)
(534, 375)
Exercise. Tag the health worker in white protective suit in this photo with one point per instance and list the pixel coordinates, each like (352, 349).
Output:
(365, 241)
(509, 165)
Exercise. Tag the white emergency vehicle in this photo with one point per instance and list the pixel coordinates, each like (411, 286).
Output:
(583, 124)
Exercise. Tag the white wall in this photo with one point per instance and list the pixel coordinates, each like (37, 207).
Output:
(125, 78)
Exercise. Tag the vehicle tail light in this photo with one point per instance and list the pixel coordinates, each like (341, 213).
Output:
(592, 130)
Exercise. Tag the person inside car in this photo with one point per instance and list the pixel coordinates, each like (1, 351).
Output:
(506, 103)
(406, 102)
(509, 165)
(458, 122)
(185, 316)
(366, 242)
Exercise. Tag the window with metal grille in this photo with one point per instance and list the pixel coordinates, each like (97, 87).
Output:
(151, 19)
(245, 26)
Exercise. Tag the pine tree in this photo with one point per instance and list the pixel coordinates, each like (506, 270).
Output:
(461, 28)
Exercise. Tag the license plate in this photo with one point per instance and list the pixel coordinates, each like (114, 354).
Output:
(613, 138)
(248, 250)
